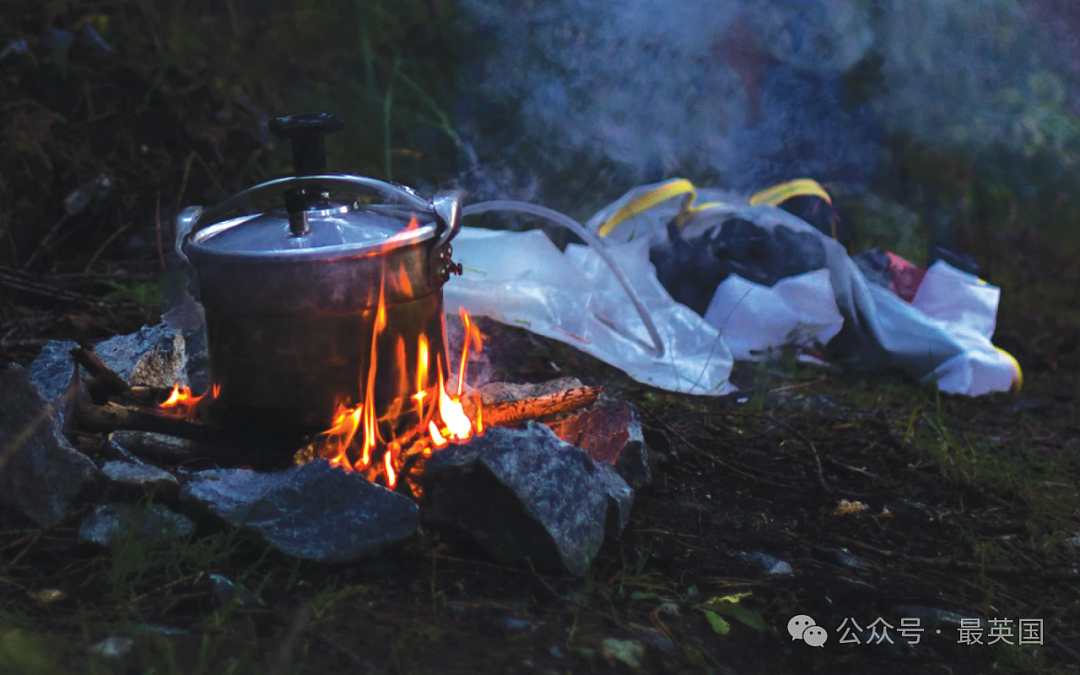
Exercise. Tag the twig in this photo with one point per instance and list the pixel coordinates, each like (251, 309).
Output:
(150, 29)
(157, 224)
(101, 249)
(299, 625)
(950, 563)
(171, 584)
(34, 538)
(21, 281)
(817, 458)
(43, 245)
(325, 640)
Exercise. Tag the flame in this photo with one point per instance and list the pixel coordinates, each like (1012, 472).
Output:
(338, 438)
(182, 400)
(436, 437)
(441, 418)
(391, 477)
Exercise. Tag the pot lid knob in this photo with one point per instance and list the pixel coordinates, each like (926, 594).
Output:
(307, 131)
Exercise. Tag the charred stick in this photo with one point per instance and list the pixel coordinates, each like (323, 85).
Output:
(106, 377)
(115, 417)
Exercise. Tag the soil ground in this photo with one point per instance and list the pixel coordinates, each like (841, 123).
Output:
(887, 500)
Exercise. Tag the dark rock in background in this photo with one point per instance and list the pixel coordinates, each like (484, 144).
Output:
(154, 356)
(610, 433)
(314, 512)
(527, 496)
(102, 525)
(40, 473)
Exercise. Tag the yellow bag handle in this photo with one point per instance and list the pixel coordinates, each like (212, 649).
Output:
(680, 186)
(802, 187)
(661, 193)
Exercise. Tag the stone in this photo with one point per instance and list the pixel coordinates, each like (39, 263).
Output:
(528, 497)
(610, 433)
(51, 370)
(40, 473)
(628, 652)
(140, 478)
(153, 357)
(768, 564)
(190, 319)
(102, 525)
(313, 512)
(229, 592)
(113, 647)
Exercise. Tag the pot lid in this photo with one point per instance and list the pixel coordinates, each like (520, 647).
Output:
(333, 230)
(322, 217)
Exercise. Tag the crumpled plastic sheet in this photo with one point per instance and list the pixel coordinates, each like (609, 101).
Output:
(521, 278)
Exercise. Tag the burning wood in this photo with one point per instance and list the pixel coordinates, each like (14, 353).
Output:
(513, 412)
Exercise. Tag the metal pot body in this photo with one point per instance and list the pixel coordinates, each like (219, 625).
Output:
(290, 342)
(299, 325)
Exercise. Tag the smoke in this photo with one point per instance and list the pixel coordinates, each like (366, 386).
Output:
(575, 101)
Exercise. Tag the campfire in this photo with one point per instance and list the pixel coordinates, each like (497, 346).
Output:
(383, 448)
(380, 447)
(536, 473)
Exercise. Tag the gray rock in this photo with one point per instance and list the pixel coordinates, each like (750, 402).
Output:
(314, 511)
(102, 525)
(190, 319)
(229, 592)
(525, 495)
(154, 356)
(40, 473)
(768, 564)
(140, 477)
(628, 652)
(113, 647)
(51, 370)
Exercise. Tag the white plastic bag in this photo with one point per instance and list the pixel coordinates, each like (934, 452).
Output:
(521, 278)
(798, 310)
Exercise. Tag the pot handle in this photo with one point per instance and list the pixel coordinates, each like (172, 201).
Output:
(354, 185)
(447, 207)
